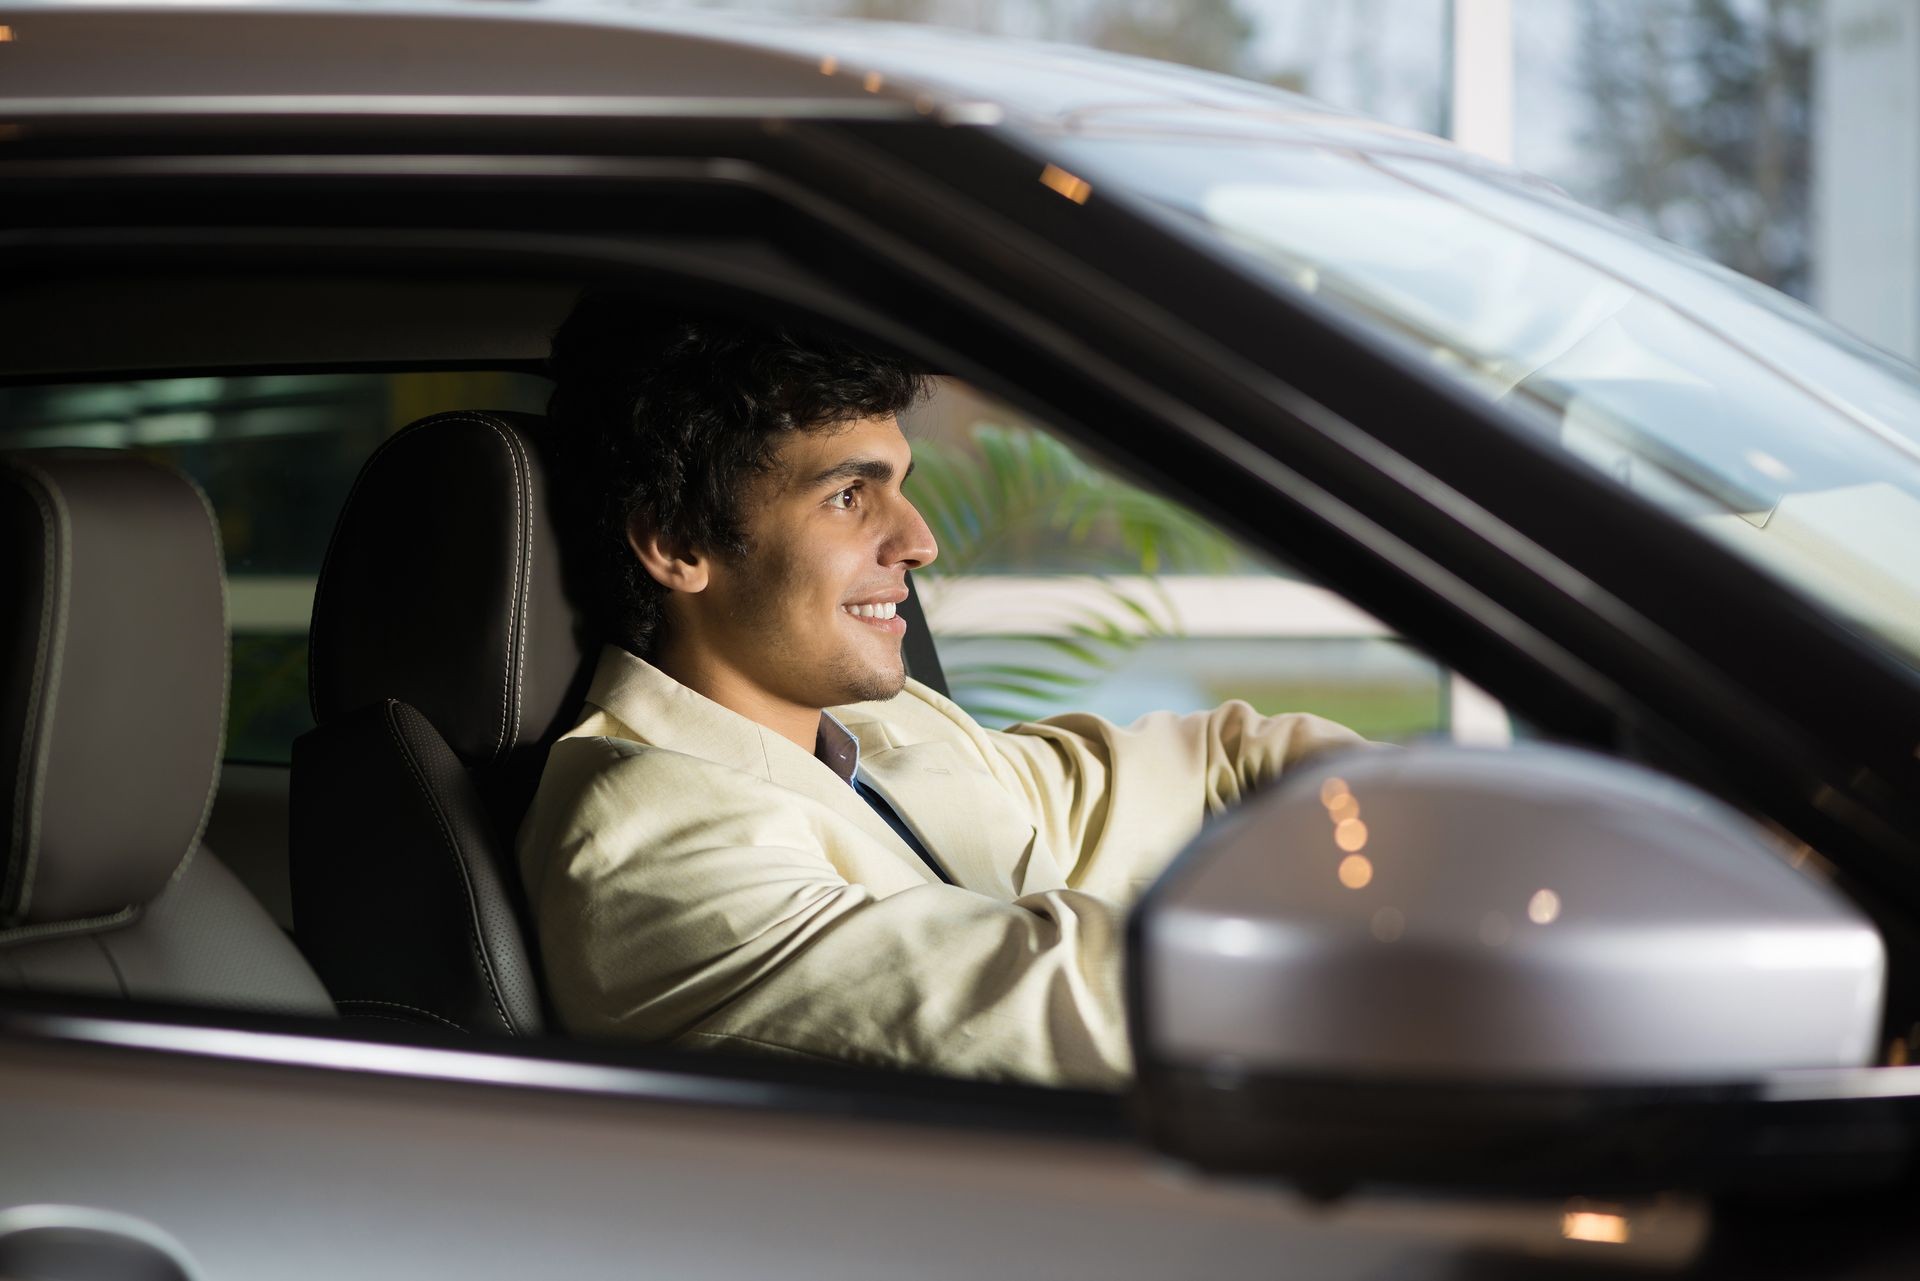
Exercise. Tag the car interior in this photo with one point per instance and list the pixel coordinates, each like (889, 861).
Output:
(442, 656)
(366, 876)
(390, 820)
(115, 687)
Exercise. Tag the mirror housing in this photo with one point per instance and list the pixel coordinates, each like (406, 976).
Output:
(1483, 967)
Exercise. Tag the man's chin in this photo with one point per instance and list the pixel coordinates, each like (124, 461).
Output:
(872, 685)
(880, 688)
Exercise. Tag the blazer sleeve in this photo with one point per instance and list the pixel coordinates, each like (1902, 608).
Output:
(675, 905)
(1119, 802)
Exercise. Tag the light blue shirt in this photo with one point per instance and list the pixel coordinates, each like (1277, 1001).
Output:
(839, 751)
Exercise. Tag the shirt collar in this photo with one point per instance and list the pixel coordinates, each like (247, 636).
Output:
(837, 749)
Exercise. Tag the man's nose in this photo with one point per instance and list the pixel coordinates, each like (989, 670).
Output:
(912, 542)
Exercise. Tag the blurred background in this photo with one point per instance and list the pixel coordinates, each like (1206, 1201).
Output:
(1780, 138)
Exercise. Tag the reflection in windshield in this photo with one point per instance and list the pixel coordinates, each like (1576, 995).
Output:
(1706, 393)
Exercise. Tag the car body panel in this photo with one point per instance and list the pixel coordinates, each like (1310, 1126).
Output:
(291, 1172)
(571, 56)
(143, 118)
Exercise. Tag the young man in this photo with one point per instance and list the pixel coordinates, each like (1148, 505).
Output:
(761, 835)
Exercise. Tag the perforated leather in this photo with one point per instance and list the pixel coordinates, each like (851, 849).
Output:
(204, 941)
(399, 897)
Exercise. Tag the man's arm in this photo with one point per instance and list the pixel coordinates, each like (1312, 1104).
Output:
(680, 901)
(942, 979)
(1120, 801)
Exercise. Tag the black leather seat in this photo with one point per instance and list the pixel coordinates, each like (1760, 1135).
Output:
(444, 661)
(113, 684)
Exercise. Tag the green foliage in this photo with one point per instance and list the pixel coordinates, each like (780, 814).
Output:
(1015, 499)
(267, 705)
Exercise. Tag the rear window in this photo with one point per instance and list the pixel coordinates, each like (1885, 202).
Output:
(276, 455)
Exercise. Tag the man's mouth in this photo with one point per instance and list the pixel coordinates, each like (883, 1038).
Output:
(879, 615)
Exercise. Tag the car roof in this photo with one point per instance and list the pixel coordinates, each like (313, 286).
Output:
(577, 56)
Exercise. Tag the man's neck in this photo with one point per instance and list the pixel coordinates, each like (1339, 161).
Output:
(735, 692)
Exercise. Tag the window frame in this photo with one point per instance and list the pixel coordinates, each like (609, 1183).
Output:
(1322, 452)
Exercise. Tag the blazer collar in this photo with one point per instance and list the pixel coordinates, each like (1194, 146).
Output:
(956, 808)
(655, 709)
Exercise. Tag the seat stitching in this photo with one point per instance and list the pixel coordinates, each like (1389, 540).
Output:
(522, 591)
(523, 572)
(44, 693)
(516, 614)
(226, 686)
(507, 700)
(508, 687)
(453, 848)
(59, 929)
(412, 1009)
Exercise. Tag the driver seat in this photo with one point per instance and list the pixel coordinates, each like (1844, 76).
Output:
(443, 662)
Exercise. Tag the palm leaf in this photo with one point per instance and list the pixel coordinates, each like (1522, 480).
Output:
(1010, 490)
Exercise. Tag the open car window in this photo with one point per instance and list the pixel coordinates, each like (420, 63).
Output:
(1061, 586)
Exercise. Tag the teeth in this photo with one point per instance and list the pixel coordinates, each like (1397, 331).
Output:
(870, 611)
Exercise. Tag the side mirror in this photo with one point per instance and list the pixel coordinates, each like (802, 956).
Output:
(1533, 967)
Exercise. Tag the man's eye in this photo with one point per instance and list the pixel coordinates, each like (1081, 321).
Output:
(844, 500)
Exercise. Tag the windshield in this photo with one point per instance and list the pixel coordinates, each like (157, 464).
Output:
(1715, 397)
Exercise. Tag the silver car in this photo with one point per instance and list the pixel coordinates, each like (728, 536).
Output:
(1633, 993)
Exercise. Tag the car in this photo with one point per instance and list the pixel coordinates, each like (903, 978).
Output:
(1663, 516)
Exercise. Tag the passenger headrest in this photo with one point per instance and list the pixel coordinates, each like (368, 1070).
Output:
(442, 589)
(115, 680)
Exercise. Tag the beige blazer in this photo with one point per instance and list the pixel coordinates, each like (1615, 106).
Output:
(699, 879)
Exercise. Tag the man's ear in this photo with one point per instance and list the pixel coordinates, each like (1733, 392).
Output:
(672, 564)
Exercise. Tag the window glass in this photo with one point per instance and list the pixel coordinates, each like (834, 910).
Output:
(1061, 587)
(1708, 394)
(276, 455)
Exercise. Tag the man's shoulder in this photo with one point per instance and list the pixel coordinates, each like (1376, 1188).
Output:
(582, 759)
(605, 787)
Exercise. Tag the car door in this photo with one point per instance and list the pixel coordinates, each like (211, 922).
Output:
(259, 1146)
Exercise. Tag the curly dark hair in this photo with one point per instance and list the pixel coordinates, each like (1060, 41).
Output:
(668, 416)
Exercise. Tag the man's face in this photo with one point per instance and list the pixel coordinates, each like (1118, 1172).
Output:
(807, 614)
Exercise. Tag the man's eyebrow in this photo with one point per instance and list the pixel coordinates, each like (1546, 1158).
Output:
(876, 470)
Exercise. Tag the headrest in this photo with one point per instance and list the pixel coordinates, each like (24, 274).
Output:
(115, 671)
(442, 589)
